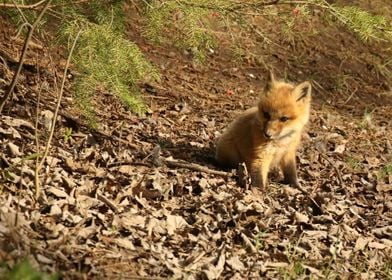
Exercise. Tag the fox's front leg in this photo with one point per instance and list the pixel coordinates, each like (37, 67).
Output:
(259, 171)
(289, 168)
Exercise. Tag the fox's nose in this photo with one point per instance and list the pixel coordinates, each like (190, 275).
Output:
(267, 134)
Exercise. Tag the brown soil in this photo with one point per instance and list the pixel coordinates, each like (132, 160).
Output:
(108, 210)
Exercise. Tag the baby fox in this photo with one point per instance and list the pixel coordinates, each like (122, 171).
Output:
(268, 134)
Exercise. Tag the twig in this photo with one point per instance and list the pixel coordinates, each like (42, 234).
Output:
(36, 136)
(108, 202)
(351, 95)
(22, 56)
(36, 5)
(32, 6)
(39, 166)
(195, 167)
(20, 12)
(20, 190)
(334, 167)
(305, 192)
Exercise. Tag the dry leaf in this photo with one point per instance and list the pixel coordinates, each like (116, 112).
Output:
(124, 243)
(174, 222)
(301, 218)
(13, 150)
(361, 243)
(235, 263)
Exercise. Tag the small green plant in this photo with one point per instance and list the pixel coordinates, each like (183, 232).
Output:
(328, 271)
(238, 53)
(296, 268)
(342, 84)
(385, 171)
(366, 120)
(24, 271)
(67, 136)
(354, 163)
(258, 241)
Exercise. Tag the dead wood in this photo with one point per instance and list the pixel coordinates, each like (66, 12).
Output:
(195, 167)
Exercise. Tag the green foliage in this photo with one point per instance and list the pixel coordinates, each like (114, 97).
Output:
(364, 24)
(186, 23)
(24, 271)
(297, 23)
(107, 61)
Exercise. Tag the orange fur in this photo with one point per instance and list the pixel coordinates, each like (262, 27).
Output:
(269, 133)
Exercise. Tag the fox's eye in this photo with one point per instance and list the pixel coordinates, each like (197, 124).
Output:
(284, 119)
(267, 115)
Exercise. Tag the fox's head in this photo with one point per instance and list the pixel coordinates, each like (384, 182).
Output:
(283, 108)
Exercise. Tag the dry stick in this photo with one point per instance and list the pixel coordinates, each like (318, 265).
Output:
(334, 167)
(108, 202)
(36, 136)
(39, 166)
(32, 6)
(22, 56)
(195, 167)
(39, 3)
(305, 192)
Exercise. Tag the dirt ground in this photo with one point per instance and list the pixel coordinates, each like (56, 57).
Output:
(115, 206)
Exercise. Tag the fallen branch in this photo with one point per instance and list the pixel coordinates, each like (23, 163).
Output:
(108, 202)
(195, 167)
(22, 56)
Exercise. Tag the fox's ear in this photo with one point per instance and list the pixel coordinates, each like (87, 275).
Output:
(270, 81)
(303, 91)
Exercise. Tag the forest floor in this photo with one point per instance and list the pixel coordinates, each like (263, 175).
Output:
(116, 204)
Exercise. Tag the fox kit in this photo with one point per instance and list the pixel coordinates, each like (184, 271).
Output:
(268, 134)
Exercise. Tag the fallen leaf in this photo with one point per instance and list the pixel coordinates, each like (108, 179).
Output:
(124, 243)
(57, 192)
(13, 150)
(361, 243)
(301, 218)
(174, 222)
(377, 245)
(235, 263)
(55, 210)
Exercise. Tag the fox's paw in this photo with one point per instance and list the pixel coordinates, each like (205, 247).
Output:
(293, 183)
(257, 181)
